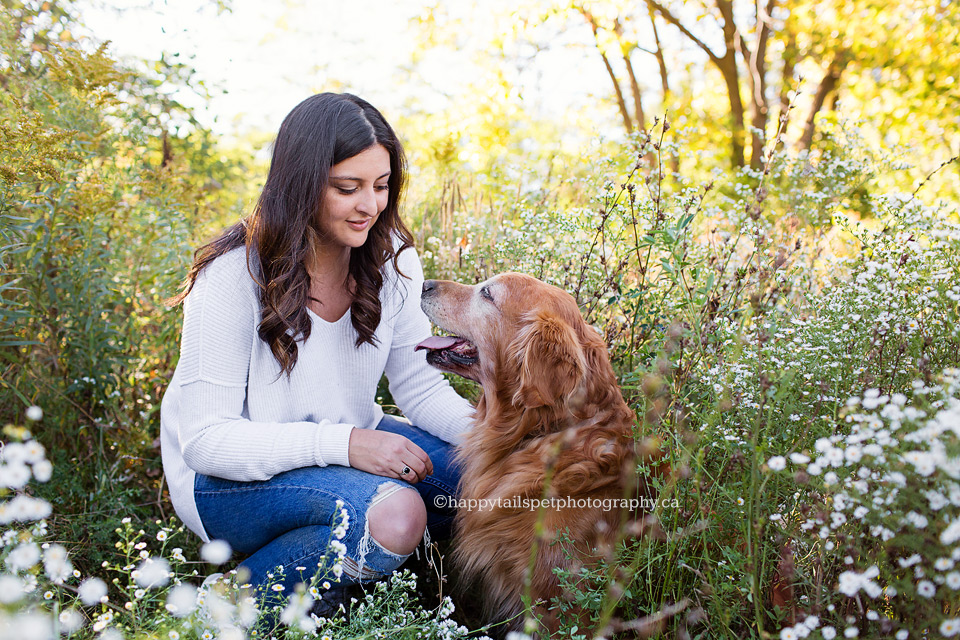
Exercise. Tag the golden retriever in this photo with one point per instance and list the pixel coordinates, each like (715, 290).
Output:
(550, 424)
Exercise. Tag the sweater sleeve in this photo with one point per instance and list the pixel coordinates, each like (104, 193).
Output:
(221, 314)
(421, 391)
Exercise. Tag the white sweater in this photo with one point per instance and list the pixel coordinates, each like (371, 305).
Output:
(230, 413)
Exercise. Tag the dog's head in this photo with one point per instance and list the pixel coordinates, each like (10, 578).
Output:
(515, 334)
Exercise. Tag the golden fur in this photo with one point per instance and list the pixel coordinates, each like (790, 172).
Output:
(550, 405)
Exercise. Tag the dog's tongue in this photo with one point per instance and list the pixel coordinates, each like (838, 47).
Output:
(437, 342)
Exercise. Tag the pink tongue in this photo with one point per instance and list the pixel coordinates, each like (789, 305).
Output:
(437, 342)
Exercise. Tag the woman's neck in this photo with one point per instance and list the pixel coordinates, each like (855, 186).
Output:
(326, 262)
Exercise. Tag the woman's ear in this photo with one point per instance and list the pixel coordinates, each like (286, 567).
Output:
(551, 363)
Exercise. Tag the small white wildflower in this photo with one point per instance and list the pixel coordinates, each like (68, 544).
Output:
(950, 627)
(788, 634)
(909, 562)
(182, 600)
(951, 534)
(903, 634)
(216, 552)
(153, 572)
(952, 580)
(91, 591)
(11, 589)
(56, 564)
(926, 589)
(71, 621)
(42, 470)
(34, 413)
(828, 633)
(777, 463)
(799, 458)
(23, 557)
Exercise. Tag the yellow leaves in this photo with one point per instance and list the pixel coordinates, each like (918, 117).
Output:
(90, 76)
(31, 149)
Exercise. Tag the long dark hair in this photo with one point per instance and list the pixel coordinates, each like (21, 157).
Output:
(321, 131)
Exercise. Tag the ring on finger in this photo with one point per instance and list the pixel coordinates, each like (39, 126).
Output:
(405, 471)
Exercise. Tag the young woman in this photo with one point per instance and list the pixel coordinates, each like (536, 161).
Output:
(291, 317)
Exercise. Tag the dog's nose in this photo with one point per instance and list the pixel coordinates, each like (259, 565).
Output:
(429, 285)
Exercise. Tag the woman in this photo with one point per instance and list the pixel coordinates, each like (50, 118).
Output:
(290, 320)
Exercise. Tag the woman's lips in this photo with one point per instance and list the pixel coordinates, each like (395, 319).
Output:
(359, 225)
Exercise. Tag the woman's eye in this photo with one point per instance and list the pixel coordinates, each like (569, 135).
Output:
(382, 187)
(345, 191)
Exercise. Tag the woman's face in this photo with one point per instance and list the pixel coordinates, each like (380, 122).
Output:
(356, 193)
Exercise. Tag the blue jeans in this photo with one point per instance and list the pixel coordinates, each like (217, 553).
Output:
(286, 521)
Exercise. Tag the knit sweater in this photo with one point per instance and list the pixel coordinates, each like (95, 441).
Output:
(229, 412)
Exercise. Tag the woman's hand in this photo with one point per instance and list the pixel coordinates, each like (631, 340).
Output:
(388, 454)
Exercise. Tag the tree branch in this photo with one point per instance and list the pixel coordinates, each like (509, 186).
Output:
(621, 101)
(672, 19)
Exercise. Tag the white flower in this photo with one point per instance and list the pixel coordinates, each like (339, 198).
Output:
(162, 535)
(71, 620)
(903, 634)
(24, 509)
(34, 413)
(11, 589)
(216, 552)
(943, 564)
(182, 600)
(777, 463)
(951, 534)
(949, 628)
(42, 470)
(111, 634)
(788, 634)
(23, 556)
(34, 451)
(828, 633)
(834, 457)
(851, 632)
(92, 590)
(926, 589)
(152, 572)
(14, 475)
(56, 564)
(909, 562)
(799, 458)
(952, 580)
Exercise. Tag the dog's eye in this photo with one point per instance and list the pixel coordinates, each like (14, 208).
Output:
(485, 293)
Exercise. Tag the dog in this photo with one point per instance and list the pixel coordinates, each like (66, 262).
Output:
(551, 423)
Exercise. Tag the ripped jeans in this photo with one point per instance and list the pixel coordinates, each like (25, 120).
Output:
(286, 521)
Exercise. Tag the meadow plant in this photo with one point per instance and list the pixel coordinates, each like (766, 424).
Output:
(150, 589)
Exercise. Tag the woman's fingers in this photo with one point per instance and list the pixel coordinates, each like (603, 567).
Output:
(388, 454)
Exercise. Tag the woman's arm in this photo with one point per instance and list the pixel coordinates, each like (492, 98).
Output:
(216, 436)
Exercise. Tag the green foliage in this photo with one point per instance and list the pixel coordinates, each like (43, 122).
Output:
(99, 207)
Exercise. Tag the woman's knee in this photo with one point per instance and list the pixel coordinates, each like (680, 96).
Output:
(398, 521)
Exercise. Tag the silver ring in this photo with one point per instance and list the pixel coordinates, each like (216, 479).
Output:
(405, 471)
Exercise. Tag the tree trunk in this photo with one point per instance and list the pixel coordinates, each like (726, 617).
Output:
(829, 83)
(621, 101)
(731, 76)
(757, 62)
(634, 85)
(661, 61)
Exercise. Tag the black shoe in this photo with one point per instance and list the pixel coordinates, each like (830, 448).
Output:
(330, 602)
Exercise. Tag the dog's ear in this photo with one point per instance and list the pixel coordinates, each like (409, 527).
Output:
(551, 362)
